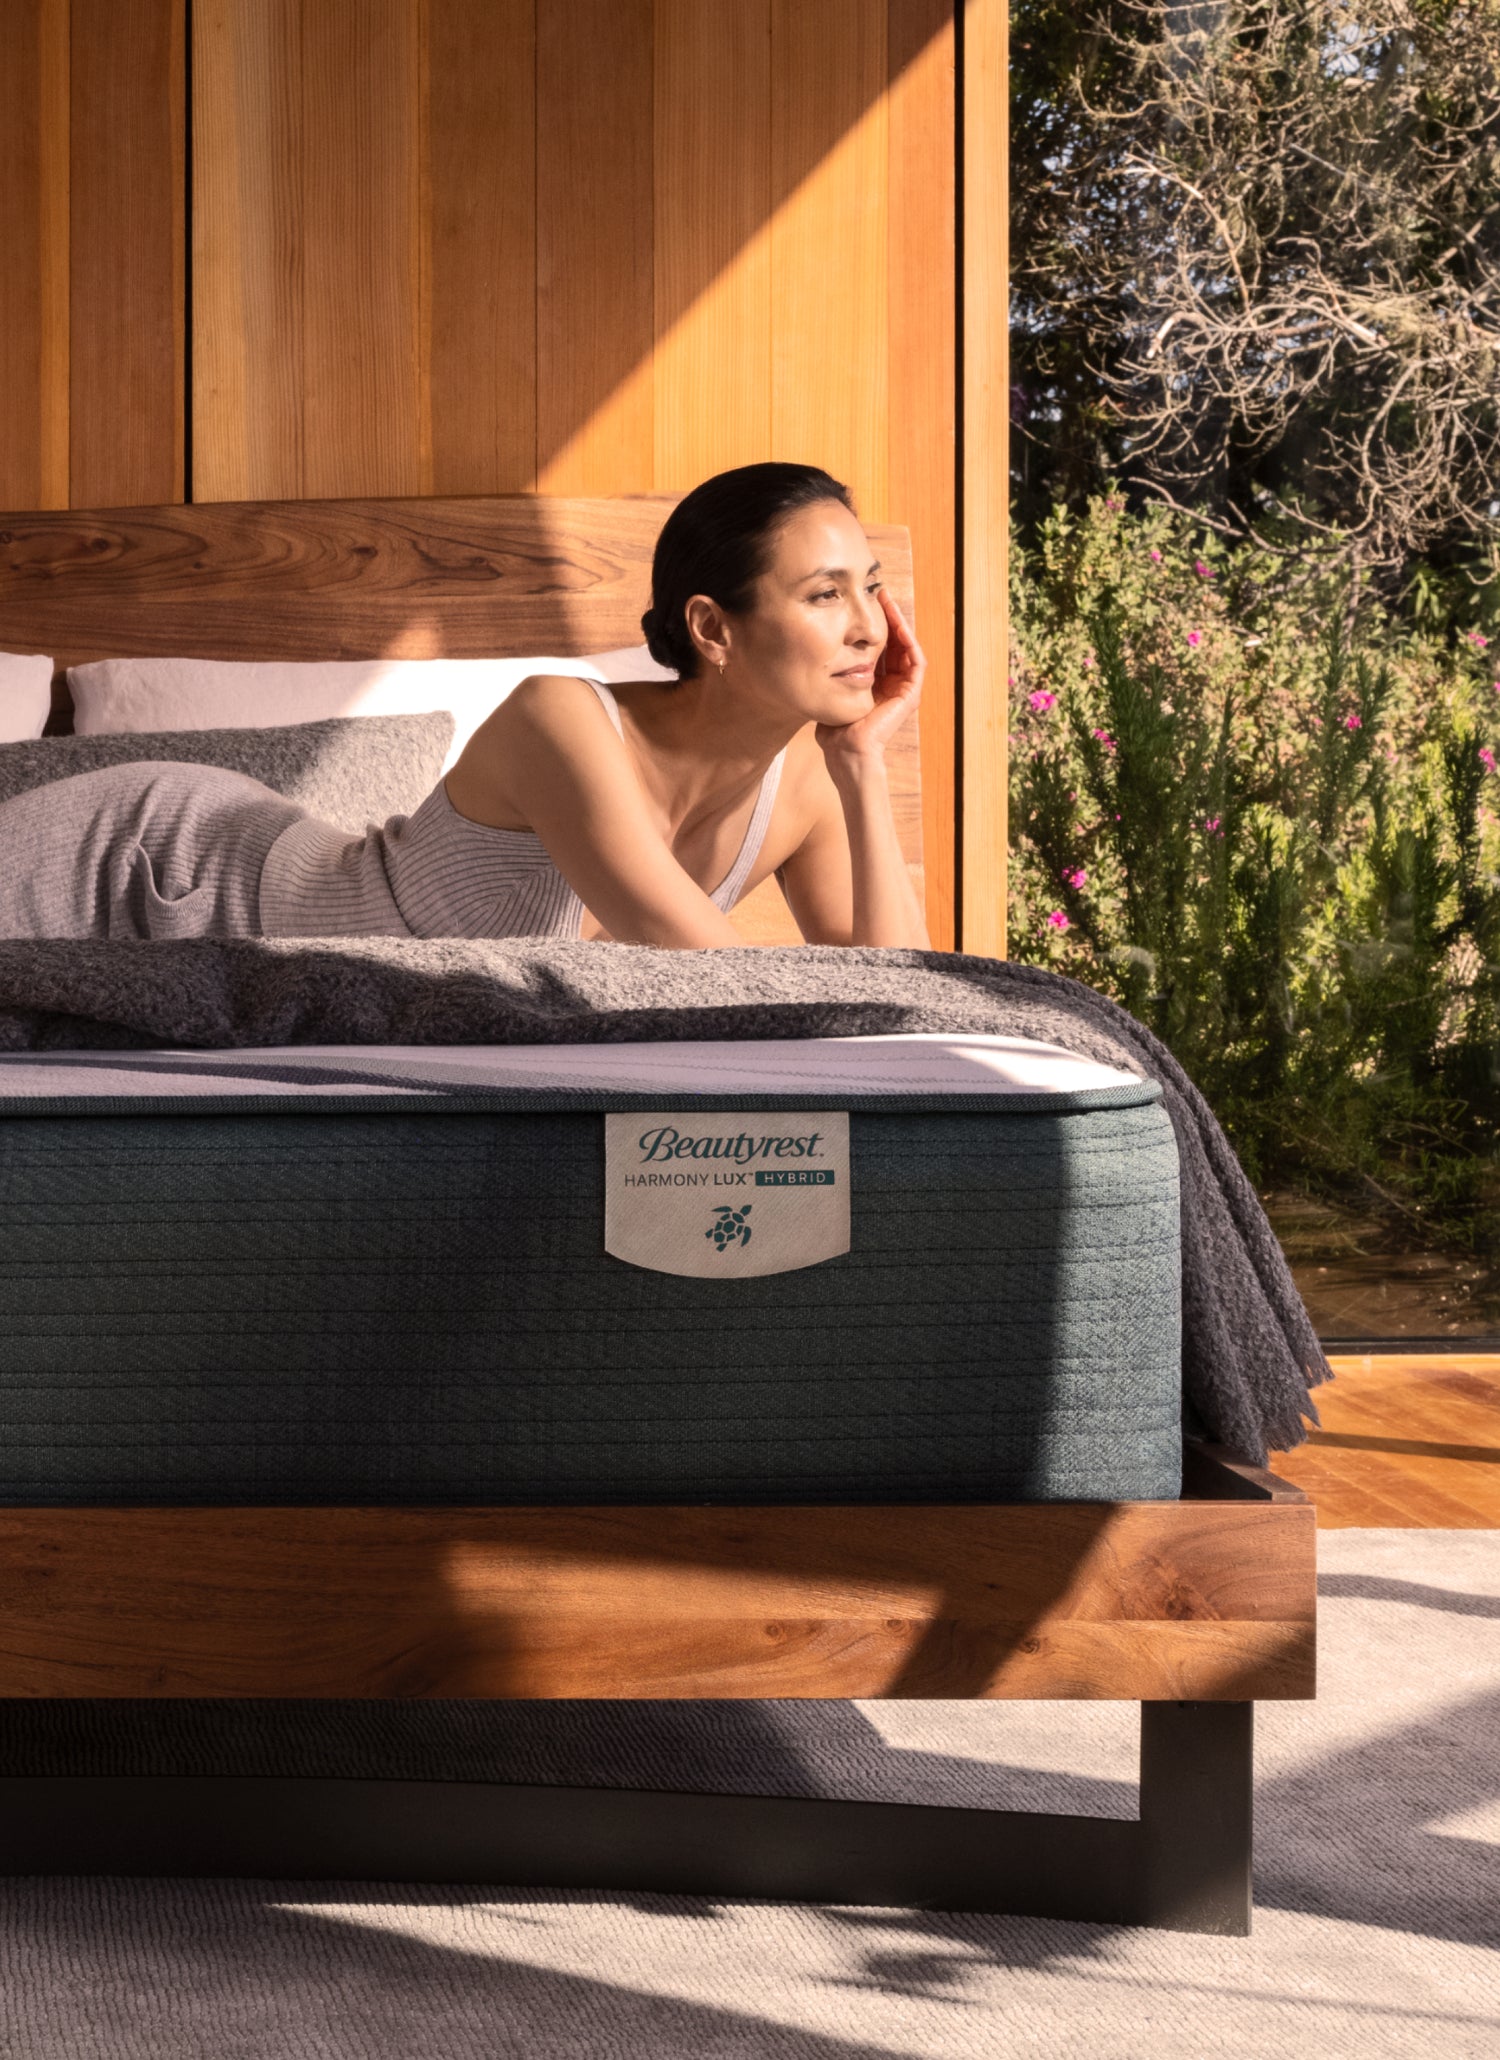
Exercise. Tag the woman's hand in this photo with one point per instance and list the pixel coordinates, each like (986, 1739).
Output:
(874, 900)
(897, 689)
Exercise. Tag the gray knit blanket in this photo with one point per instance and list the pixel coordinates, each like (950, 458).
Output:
(1249, 1351)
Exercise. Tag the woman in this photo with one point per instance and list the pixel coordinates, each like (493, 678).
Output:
(641, 813)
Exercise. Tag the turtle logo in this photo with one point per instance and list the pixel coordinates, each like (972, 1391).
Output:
(730, 1227)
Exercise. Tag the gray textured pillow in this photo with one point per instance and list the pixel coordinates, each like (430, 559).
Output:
(351, 770)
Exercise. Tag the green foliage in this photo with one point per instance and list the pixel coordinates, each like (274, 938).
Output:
(1269, 829)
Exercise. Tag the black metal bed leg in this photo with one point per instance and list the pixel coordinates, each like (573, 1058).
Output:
(1196, 1816)
(1184, 1865)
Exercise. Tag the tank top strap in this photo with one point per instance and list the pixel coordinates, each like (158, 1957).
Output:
(608, 702)
(729, 889)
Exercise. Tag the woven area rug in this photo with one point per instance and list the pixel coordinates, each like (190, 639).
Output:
(1378, 1892)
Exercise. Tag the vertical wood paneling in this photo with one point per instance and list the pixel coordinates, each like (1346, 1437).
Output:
(360, 225)
(712, 245)
(54, 270)
(923, 387)
(127, 196)
(984, 766)
(247, 250)
(481, 228)
(829, 242)
(595, 293)
(483, 245)
(308, 247)
(34, 240)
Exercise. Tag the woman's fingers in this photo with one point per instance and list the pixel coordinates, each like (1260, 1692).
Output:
(898, 690)
(912, 659)
(895, 617)
(907, 693)
(908, 668)
(903, 693)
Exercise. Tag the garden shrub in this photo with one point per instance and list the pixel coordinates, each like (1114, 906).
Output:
(1270, 830)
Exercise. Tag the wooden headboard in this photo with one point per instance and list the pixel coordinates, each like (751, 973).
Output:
(472, 578)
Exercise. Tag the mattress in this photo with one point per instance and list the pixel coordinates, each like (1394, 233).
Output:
(384, 1275)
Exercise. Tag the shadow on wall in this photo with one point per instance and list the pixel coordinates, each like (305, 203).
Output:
(721, 269)
(442, 250)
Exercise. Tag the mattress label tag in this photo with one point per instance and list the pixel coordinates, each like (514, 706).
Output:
(721, 1196)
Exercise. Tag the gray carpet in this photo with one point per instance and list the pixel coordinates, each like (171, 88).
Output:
(1377, 1932)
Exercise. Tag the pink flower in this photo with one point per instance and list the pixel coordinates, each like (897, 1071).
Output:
(1088, 661)
(1113, 506)
(1353, 722)
(1479, 642)
(1204, 571)
(1497, 686)
(1105, 739)
(1058, 921)
(1041, 701)
(1214, 825)
(1195, 638)
(1155, 557)
(1077, 878)
(1487, 757)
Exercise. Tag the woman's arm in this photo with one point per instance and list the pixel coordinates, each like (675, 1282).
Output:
(551, 758)
(848, 882)
(886, 908)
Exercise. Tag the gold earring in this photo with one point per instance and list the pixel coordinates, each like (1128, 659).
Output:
(722, 663)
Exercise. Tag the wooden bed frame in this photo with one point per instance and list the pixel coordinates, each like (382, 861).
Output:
(1195, 1609)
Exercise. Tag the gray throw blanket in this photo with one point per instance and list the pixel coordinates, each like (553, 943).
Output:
(1249, 1351)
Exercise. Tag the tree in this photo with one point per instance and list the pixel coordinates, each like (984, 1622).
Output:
(1257, 270)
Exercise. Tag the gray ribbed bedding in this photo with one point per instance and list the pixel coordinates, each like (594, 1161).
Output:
(381, 1279)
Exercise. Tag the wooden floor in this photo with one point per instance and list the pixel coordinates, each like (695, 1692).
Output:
(1407, 1441)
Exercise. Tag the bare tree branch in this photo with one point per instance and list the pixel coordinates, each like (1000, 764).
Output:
(1273, 229)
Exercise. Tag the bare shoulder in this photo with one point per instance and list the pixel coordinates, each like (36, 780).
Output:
(550, 727)
(544, 704)
(543, 696)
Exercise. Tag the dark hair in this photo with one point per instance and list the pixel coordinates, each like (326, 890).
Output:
(717, 541)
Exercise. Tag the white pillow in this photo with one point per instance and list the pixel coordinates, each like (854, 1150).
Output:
(118, 694)
(629, 662)
(25, 697)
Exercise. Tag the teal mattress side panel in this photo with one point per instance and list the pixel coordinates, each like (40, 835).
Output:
(417, 1307)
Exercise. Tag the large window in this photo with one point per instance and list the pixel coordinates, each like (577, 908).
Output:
(1256, 597)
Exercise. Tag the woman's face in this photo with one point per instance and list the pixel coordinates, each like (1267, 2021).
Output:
(811, 642)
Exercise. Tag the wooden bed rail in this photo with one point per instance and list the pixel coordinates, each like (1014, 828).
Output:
(1193, 1608)
(1192, 1600)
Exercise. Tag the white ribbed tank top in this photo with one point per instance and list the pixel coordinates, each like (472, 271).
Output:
(437, 874)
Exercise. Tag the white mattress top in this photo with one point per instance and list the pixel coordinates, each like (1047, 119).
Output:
(923, 1063)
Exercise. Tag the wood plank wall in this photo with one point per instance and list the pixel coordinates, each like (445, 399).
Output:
(92, 228)
(489, 246)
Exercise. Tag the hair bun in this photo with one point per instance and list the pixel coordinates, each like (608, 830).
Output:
(653, 628)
